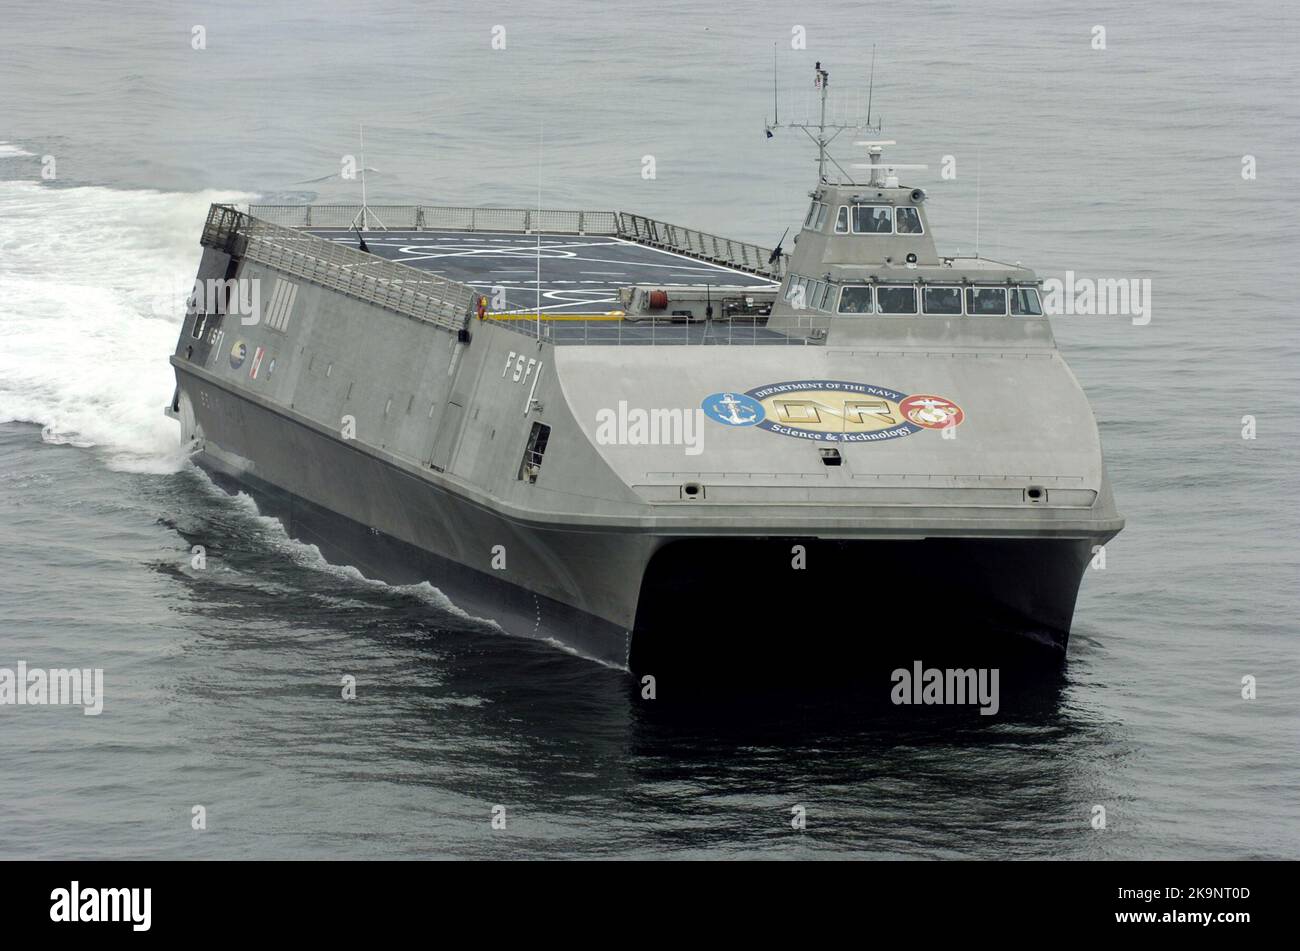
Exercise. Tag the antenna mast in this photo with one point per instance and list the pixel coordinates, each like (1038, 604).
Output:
(823, 81)
(537, 227)
(871, 83)
(365, 209)
(365, 214)
(826, 132)
(776, 105)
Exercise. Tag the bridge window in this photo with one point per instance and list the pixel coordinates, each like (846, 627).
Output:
(873, 219)
(816, 216)
(823, 298)
(814, 294)
(908, 221)
(856, 300)
(902, 299)
(896, 300)
(1025, 302)
(842, 220)
(986, 301)
(793, 288)
(942, 301)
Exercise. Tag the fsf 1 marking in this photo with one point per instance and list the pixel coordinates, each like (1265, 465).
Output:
(523, 371)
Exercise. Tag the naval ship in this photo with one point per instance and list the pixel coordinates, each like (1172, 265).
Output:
(648, 443)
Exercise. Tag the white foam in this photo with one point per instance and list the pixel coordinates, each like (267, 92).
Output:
(92, 290)
(12, 151)
(309, 556)
(552, 642)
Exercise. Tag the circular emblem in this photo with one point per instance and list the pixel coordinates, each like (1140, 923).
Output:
(237, 354)
(833, 411)
(734, 409)
(932, 412)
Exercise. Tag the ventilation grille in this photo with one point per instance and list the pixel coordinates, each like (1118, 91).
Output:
(281, 306)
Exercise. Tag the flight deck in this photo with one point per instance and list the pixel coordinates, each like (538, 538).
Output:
(579, 274)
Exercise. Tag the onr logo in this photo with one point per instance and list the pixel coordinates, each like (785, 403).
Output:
(851, 411)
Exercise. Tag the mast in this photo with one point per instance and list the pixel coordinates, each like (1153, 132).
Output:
(537, 226)
(822, 133)
(823, 80)
(776, 105)
(365, 208)
(365, 215)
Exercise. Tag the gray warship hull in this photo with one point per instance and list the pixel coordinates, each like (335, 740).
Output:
(380, 418)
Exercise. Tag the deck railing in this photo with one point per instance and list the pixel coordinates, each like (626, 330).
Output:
(367, 277)
(450, 305)
(649, 231)
(699, 244)
(614, 331)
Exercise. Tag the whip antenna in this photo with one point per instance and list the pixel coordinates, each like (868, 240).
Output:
(871, 83)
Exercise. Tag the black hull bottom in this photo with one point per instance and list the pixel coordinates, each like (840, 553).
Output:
(742, 604)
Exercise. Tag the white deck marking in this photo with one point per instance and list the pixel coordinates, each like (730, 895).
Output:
(417, 248)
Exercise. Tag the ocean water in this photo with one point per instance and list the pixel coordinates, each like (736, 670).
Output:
(222, 684)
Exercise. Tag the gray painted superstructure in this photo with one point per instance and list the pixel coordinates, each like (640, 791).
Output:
(370, 390)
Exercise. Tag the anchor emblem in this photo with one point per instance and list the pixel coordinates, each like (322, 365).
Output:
(734, 409)
(734, 406)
